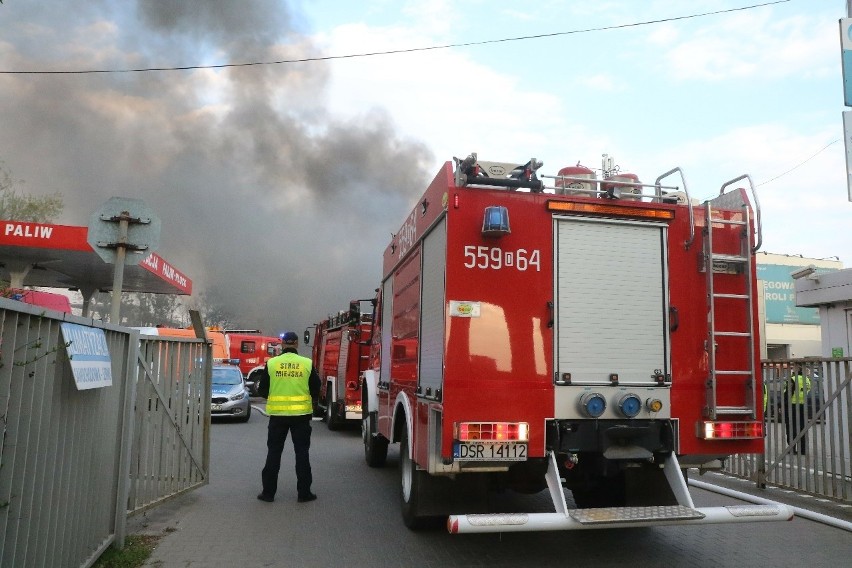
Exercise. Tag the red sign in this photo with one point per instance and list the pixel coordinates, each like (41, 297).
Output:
(21, 235)
(40, 235)
(155, 264)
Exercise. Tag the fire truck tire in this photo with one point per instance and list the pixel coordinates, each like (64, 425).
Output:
(375, 446)
(247, 416)
(254, 379)
(413, 486)
(332, 419)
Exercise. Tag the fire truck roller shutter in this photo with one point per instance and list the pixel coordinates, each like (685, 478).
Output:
(434, 265)
(387, 319)
(611, 310)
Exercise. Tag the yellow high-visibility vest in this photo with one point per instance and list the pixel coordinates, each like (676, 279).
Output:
(800, 390)
(289, 393)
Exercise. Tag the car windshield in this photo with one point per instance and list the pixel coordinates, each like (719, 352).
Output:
(227, 376)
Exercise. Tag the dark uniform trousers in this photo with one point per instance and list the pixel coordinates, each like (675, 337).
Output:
(279, 427)
(794, 417)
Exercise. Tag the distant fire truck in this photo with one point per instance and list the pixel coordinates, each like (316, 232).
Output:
(593, 334)
(251, 349)
(341, 354)
(217, 339)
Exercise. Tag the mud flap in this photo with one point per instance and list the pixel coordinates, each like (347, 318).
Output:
(441, 495)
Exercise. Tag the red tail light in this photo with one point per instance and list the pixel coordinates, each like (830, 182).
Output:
(492, 431)
(730, 430)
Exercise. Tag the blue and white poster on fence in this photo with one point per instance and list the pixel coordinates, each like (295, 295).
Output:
(89, 355)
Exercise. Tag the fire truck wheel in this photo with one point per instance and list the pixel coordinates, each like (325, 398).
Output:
(413, 486)
(375, 446)
(332, 419)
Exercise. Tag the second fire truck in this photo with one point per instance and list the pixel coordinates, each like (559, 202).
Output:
(340, 354)
(566, 332)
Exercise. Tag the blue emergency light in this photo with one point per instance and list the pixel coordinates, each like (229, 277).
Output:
(496, 221)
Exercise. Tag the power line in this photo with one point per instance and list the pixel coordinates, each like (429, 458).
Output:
(800, 164)
(394, 51)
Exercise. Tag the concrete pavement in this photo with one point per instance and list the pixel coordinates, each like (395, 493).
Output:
(357, 517)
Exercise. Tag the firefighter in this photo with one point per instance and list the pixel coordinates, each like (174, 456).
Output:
(795, 396)
(291, 386)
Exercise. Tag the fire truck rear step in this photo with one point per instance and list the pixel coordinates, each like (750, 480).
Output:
(613, 515)
(563, 518)
(526, 522)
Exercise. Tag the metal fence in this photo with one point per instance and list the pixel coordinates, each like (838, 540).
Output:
(808, 445)
(75, 463)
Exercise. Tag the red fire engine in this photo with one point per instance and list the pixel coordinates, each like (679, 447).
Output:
(340, 354)
(252, 349)
(596, 335)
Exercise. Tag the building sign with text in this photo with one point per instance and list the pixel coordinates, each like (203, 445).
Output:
(780, 295)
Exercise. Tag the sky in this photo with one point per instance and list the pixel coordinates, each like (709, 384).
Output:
(278, 186)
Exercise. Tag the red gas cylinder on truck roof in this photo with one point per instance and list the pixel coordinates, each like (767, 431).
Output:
(621, 191)
(575, 184)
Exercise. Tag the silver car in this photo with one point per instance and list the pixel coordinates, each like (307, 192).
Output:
(230, 395)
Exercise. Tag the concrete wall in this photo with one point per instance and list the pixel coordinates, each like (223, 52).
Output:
(795, 340)
(832, 294)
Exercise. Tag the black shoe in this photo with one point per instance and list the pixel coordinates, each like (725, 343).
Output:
(305, 498)
(267, 498)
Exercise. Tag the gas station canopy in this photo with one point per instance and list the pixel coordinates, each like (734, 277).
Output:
(59, 256)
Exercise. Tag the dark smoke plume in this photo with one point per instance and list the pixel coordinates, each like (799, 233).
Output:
(264, 197)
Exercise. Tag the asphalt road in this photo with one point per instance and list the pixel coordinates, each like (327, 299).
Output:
(356, 522)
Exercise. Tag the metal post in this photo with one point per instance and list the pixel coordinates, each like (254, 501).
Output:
(87, 291)
(847, 119)
(128, 421)
(118, 275)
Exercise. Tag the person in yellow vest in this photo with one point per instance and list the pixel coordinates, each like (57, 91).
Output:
(290, 384)
(795, 396)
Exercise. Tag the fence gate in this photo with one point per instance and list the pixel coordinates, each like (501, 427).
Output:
(808, 445)
(171, 420)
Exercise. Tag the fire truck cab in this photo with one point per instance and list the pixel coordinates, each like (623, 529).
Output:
(251, 349)
(566, 332)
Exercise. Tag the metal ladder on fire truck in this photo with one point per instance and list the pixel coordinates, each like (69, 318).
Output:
(717, 263)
